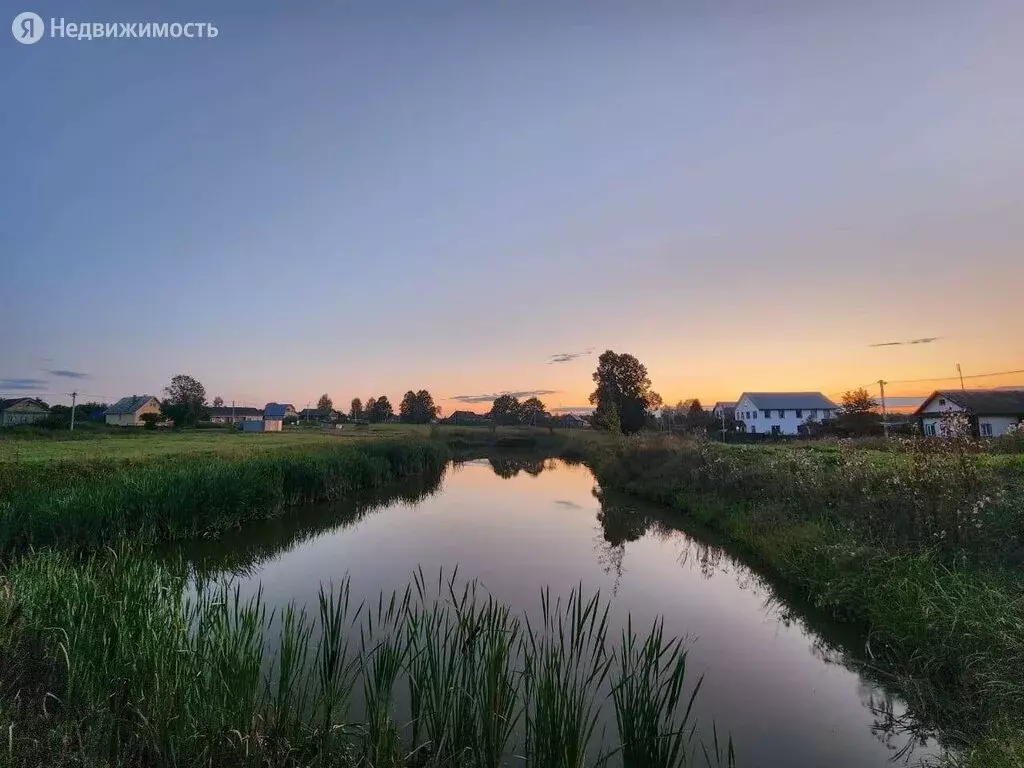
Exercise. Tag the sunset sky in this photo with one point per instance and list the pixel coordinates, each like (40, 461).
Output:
(370, 197)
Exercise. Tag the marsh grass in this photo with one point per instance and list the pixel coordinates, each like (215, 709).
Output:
(921, 544)
(202, 496)
(140, 669)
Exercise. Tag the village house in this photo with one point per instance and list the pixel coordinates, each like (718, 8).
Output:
(226, 414)
(280, 411)
(723, 409)
(467, 419)
(782, 413)
(22, 410)
(990, 412)
(128, 411)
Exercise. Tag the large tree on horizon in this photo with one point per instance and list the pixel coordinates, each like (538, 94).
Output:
(184, 400)
(623, 394)
(379, 409)
(325, 404)
(505, 410)
(356, 409)
(417, 407)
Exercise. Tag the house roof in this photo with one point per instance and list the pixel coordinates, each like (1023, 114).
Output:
(277, 410)
(770, 401)
(127, 405)
(226, 410)
(5, 404)
(982, 402)
(723, 404)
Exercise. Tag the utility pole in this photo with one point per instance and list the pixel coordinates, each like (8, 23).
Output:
(74, 396)
(961, 375)
(232, 412)
(723, 424)
(885, 418)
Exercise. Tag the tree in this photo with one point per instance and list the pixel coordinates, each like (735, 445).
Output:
(858, 413)
(380, 409)
(325, 404)
(185, 400)
(218, 402)
(505, 410)
(418, 407)
(356, 409)
(697, 419)
(623, 392)
(533, 412)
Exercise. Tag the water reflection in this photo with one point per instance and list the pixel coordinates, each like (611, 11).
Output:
(242, 552)
(624, 520)
(790, 683)
(508, 466)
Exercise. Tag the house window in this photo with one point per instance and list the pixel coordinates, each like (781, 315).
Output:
(986, 429)
(776, 429)
(782, 414)
(753, 415)
(767, 414)
(929, 429)
(942, 401)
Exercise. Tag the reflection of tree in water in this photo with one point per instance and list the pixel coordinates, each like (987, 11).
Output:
(621, 522)
(508, 466)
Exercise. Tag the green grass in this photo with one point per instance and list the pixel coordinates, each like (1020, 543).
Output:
(202, 496)
(154, 678)
(922, 547)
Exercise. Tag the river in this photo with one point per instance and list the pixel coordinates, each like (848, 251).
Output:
(783, 680)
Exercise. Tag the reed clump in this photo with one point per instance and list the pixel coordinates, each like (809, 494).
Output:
(135, 665)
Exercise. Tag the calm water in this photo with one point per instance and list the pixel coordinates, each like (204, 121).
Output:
(779, 677)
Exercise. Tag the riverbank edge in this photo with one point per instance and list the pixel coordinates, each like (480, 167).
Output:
(913, 607)
(205, 495)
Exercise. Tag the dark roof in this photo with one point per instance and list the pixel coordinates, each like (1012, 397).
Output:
(129, 404)
(724, 404)
(770, 401)
(226, 410)
(5, 404)
(276, 410)
(982, 402)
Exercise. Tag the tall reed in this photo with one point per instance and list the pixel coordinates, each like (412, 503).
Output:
(147, 671)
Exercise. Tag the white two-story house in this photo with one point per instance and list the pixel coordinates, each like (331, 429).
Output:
(990, 411)
(782, 413)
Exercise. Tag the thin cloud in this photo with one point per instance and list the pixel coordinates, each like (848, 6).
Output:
(68, 374)
(925, 340)
(568, 357)
(24, 385)
(484, 398)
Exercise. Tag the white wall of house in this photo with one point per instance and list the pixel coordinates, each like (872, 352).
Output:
(941, 405)
(787, 422)
(994, 426)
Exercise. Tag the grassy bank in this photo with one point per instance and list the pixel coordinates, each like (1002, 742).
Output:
(49, 460)
(202, 495)
(443, 676)
(922, 545)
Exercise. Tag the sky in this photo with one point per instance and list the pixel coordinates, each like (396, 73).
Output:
(476, 197)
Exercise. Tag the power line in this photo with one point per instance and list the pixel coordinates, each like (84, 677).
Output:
(954, 378)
